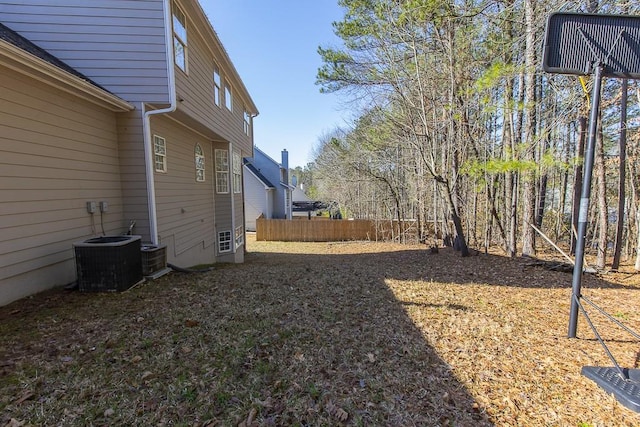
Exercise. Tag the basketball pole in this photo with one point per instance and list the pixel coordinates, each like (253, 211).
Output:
(583, 214)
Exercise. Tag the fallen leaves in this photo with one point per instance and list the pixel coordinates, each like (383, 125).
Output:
(27, 395)
(190, 323)
(336, 412)
(250, 421)
(357, 333)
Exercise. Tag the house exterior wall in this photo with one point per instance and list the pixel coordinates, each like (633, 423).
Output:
(195, 87)
(238, 223)
(56, 153)
(121, 45)
(257, 200)
(118, 44)
(224, 128)
(185, 206)
(132, 171)
(223, 205)
(271, 170)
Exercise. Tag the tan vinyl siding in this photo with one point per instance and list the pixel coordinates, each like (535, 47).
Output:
(118, 44)
(196, 89)
(239, 214)
(223, 204)
(184, 206)
(132, 171)
(56, 153)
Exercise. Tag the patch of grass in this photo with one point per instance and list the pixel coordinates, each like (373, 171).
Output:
(314, 391)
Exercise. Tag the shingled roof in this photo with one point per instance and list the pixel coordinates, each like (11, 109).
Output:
(10, 36)
(258, 174)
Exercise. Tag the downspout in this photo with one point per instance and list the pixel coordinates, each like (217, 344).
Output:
(233, 204)
(146, 125)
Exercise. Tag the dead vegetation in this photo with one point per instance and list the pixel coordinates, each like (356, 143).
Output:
(319, 334)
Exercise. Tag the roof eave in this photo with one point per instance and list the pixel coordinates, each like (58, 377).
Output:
(207, 26)
(25, 63)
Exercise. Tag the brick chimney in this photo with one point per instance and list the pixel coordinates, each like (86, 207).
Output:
(285, 166)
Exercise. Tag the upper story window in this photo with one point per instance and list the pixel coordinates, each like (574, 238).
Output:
(228, 102)
(216, 86)
(237, 173)
(180, 38)
(199, 164)
(247, 123)
(222, 171)
(160, 153)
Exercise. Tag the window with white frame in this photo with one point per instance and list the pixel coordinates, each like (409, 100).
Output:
(237, 173)
(224, 241)
(180, 37)
(239, 236)
(228, 102)
(247, 123)
(222, 171)
(216, 86)
(160, 153)
(200, 166)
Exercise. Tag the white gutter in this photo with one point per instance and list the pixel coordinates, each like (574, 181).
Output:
(146, 125)
(233, 205)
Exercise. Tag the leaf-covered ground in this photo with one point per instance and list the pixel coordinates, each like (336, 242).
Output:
(315, 334)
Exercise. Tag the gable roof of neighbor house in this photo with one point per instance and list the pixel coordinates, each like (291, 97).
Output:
(258, 175)
(274, 163)
(32, 57)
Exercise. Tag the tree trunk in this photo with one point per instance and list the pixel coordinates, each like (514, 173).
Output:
(621, 175)
(602, 200)
(637, 264)
(542, 199)
(577, 181)
(461, 241)
(510, 181)
(528, 191)
(563, 186)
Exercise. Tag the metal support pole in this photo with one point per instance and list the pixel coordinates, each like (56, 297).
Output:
(584, 200)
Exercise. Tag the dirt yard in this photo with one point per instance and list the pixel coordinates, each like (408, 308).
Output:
(319, 334)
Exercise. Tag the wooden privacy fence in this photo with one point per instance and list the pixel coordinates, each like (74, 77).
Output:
(326, 230)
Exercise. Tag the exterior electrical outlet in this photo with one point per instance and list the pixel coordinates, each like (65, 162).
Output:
(91, 207)
(104, 206)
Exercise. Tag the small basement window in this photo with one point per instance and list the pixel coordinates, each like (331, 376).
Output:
(224, 241)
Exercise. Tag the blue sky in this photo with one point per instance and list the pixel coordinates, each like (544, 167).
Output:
(274, 50)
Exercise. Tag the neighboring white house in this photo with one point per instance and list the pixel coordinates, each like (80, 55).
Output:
(266, 188)
(131, 103)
